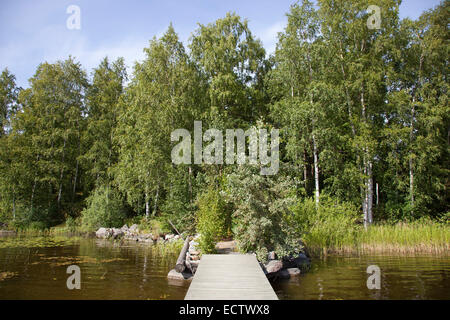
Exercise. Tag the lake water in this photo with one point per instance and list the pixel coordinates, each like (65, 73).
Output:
(35, 268)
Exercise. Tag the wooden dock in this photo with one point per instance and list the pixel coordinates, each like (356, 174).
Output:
(230, 277)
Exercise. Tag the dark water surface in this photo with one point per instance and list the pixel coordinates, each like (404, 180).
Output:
(402, 277)
(35, 268)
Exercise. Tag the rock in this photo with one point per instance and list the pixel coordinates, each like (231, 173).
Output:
(169, 236)
(124, 228)
(103, 233)
(273, 266)
(300, 261)
(283, 274)
(293, 271)
(194, 267)
(194, 252)
(194, 258)
(173, 275)
(177, 237)
(271, 255)
(117, 233)
(134, 228)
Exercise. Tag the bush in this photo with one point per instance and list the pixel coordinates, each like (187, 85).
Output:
(262, 209)
(211, 219)
(72, 224)
(153, 226)
(105, 208)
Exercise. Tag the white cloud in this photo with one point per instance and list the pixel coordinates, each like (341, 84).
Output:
(55, 43)
(269, 35)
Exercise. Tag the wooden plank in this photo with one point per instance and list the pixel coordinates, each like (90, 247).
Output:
(230, 277)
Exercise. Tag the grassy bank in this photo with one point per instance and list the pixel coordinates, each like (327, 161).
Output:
(400, 238)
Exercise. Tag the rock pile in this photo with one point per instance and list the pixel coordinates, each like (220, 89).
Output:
(133, 234)
(193, 255)
(286, 267)
(191, 262)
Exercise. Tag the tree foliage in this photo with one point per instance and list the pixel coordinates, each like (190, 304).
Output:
(363, 117)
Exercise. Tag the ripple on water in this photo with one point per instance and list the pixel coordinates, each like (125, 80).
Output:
(108, 270)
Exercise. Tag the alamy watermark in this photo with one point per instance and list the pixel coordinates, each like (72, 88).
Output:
(74, 280)
(73, 22)
(374, 20)
(213, 153)
(374, 280)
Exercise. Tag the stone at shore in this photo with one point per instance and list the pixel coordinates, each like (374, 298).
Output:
(194, 252)
(169, 237)
(300, 261)
(194, 258)
(117, 233)
(106, 233)
(283, 274)
(287, 273)
(273, 266)
(103, 233)
(173, 275)
(132, 234)
(134, 228)
(293, 271)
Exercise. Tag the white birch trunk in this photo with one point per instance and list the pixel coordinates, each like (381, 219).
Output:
(316, 171)
(147, 206)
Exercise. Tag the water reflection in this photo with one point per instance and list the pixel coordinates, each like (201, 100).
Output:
(35, 268)
(108, 270)
(402, 277)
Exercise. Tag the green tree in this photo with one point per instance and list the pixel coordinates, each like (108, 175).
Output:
(233, 63)
(48, 132)
(164, 95)
(103, 99)
(8, 100)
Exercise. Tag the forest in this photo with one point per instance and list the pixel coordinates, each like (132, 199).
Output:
(363, 116)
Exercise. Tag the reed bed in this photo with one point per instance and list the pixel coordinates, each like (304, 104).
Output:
(400, 238)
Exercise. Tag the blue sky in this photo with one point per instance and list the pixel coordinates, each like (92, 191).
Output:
(35, 31)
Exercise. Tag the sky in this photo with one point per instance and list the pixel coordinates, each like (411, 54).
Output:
(34, 31)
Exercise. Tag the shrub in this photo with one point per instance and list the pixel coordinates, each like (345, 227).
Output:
(153, 226)
(262, 208)
(211, 219)
(72, 224)
(105, 208)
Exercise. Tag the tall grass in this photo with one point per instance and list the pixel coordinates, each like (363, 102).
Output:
(400, 238)
(334, 228)
(413, 237)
